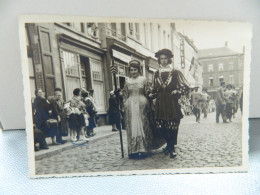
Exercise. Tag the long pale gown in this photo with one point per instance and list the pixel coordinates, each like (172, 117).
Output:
(140, 136)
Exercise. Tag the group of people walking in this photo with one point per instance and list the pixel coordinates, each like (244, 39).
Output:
(55, 118)
(200, 103)
(227, 102)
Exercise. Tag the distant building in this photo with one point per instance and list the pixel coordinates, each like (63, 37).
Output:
(221, 64)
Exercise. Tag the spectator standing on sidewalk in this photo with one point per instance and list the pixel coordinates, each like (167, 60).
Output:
(76, 117)
(58, 113)
(220, 103)
(41, 115)
(90, 109)
(113, 111)
(94, 108)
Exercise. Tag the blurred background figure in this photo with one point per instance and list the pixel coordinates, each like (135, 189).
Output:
(221, 103)
(230, 98)
(196, 102)
(205, 103)
(113, 111)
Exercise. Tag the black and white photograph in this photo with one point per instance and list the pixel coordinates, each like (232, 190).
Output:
(128, 96)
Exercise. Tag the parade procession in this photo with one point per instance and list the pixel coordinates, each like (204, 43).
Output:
(131, 96)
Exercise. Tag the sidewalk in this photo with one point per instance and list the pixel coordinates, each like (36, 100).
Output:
(101, 133)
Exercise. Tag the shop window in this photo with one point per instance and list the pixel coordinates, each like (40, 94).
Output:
(75, 72)
(98, 84)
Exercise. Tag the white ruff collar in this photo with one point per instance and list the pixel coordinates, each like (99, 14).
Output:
(167, 68)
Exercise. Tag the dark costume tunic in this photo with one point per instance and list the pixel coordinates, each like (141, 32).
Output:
(169, 86)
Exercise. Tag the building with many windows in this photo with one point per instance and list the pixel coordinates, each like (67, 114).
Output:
(127, 41)
(79, 55)
(221, 64)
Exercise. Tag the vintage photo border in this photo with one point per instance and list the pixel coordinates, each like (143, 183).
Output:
(28, 108)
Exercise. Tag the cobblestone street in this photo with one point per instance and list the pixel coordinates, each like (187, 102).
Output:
(204, 144)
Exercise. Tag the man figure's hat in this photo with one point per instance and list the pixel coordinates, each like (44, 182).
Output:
(166, 52)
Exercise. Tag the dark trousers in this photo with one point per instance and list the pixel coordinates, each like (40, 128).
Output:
(196, 112)
(229, 109)
(170, 136)
(39, 137)
(59, 133)
(221, 110)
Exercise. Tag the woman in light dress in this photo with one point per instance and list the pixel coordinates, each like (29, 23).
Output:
(140, 136)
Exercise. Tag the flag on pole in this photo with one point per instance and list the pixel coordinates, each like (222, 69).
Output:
(192, 63)
(113, 68)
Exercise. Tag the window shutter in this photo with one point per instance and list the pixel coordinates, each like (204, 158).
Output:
(47, 60)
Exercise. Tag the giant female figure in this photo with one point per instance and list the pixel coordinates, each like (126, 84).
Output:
(139, 131)
(169, 85)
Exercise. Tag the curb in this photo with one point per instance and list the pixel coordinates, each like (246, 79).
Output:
(69, 146)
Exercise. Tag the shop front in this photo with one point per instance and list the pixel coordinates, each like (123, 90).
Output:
(120, 55)
(82, 68)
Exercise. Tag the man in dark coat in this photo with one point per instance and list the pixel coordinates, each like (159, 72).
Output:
(58, 113)
(220, 103)
(113, 111)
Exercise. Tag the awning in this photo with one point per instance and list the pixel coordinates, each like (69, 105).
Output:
(121, 56)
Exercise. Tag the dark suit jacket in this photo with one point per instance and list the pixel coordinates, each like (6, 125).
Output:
(57, 109)
(220, 97)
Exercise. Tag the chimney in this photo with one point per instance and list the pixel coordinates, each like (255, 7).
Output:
(226, 44)
(173, 26)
